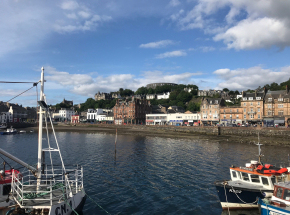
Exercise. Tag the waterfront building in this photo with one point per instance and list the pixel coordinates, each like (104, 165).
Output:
(65, 114)
(110, 118)
(75, 119)
(277, 108)
(210, 110)
(5, 117)
(253, 106)
(231, 115)
(154, 85)
(173, 118)
(92, 114)
(156, 119)
(163, 95)
(175, 109)
(131, 112)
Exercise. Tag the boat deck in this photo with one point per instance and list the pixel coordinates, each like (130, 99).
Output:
(42, 198)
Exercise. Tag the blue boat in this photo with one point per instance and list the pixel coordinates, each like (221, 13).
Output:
(279, 203)
(9, 131)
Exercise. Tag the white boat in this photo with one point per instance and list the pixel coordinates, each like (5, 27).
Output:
(22, 131)
(46, 189)
(3, 126)
(9, 131)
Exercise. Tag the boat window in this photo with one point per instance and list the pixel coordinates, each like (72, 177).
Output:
(279, 192)
(273, 179)
(265, 181)
(255, 178)
(6, 189)
(280, 179)
(234, 173)
(286, 195)
(245, 176)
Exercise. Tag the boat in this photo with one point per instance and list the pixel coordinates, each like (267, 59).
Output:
(279, 202)
(249, 182)
(9, 131)
(31, 131)
(46, 189)
(22, 131)
(3, 126)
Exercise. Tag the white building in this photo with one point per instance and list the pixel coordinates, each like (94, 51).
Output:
(173, 119)
(65, 114)
(6, 117)
(163, 96)
(92, 114)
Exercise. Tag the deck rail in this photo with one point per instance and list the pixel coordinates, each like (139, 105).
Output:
(55, 186)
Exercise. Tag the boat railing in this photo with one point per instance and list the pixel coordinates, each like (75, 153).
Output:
(54, 186)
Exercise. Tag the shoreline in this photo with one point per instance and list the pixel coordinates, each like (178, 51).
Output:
(184, 133)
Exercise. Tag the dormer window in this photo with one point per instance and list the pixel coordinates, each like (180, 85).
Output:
(245, 98)
(280, 99)
(250, 98)
(269, 99)
(210, 102)
(216, 101)
(258, 98)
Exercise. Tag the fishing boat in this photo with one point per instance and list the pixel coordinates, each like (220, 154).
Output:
(9, 131)
(249, 182)
(46, 189)
(279, 202)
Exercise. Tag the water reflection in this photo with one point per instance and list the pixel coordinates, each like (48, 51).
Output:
(241, 212)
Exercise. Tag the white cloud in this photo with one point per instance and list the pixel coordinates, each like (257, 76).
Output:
(84, 14)
(177, 53)
(266, 23)
(259, 33)
(158, 44)
(69, 5)
(174, 3)
(207, 48)
(250, 78)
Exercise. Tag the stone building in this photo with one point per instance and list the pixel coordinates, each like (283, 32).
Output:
(154, 85)
(210, 110)
(102, 96)
(67, 102)
(131, 112)
(277, 108)
(211, 93)
(231, 115)
(253, 107)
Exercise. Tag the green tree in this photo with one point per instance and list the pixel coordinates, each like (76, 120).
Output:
(226, 90)
(184, 97)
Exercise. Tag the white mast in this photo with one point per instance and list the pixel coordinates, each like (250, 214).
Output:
(39, 161)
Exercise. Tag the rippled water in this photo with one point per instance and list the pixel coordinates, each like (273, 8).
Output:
(147, 175)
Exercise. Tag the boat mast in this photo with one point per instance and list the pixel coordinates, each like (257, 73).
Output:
(39, 161)
(259, 148)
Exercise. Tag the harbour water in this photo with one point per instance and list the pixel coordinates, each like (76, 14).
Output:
(147, 175)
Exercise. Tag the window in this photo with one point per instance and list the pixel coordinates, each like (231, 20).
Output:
(280, 99)
(224, 110)
(258, 98)
(245, 117)
(252, 110)
(269, 99)
(259, 102)
(255, 178)
(280, 113)
(252, 116)
(245, 110)
(280, 106)
(286, 195)
(279, 192)
(234, 173)
(237, 116)
(6, 189)
(244, 104)
(230, 110)
(210, 102)
(251, 103)
(245, 98)
(250, 98)
(237, 110)
(258, 109)
(259, 116)
(269, 113)
(269, 106)
(245, 176)
(265, 181)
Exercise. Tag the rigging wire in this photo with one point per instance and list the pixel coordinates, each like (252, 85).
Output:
(14, 82)
(34, 84)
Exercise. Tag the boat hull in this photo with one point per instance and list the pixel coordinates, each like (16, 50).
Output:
(65, 208)
(235, 198)
(266, 209)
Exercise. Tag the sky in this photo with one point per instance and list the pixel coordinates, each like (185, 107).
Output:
(86, 46)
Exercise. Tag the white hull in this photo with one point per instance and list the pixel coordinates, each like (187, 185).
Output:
(233, 206)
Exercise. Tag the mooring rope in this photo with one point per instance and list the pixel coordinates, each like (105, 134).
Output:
(227, 198)
(96, 203)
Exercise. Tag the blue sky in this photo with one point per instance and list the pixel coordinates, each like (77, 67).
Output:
(101, 45)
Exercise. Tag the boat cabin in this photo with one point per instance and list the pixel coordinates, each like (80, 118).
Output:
(5, 183)
(281, 194)
(251, 175)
